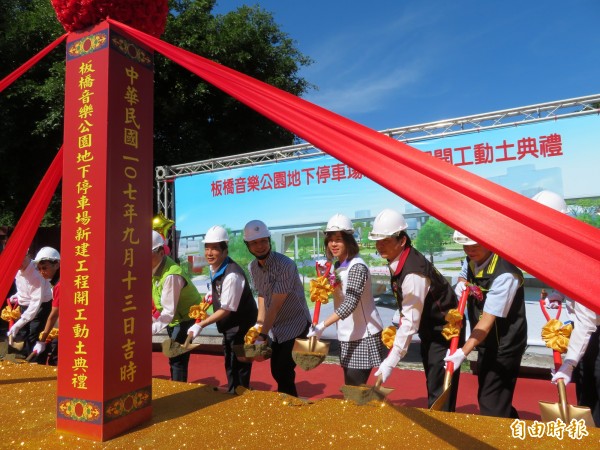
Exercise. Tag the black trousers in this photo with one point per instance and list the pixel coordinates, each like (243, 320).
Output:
(433, 352)
(30, 333)
(179, 364)
(238, 373)
(283, 365)
(356, 377)
(587, 377)
(497, 375)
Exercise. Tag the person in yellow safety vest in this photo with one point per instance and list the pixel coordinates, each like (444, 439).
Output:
(498, 326)
(172, 293)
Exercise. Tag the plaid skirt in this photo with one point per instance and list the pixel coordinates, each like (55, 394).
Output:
(365, 353)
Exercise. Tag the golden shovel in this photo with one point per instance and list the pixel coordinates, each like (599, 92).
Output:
(562, 410)
(364, 394)
(309, 353)
(439, 402)
(171, 349)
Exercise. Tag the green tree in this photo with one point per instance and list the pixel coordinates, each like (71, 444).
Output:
(585, 207)
(31, 108)
(431, 237)
(193, 121)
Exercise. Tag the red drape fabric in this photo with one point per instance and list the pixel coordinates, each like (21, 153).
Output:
(20, 239)
(563, 252)
(8, 80)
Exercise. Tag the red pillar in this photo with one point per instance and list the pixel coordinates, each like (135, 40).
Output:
(105, 369)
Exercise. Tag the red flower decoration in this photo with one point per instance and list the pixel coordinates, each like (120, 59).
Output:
(149, 16)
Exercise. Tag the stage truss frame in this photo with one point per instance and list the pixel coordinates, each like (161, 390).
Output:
(166, 175)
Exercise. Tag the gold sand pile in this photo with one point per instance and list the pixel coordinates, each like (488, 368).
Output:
(196, 416)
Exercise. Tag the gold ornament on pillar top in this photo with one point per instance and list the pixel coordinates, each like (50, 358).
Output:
(161, 224)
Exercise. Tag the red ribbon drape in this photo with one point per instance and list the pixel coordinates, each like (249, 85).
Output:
(523, 231)
(20, 239)
(10, 78)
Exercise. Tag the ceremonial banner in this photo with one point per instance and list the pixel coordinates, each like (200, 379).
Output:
(104, 382)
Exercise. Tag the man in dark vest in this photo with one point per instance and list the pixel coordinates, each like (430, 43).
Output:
(498, 326)
(424, 297)
(234, 307)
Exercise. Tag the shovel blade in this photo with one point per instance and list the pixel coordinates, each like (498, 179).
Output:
(552, 411)
(364, 394)
(309, 353)
(171, 349)
(439, 403)
(361, 395)
(3, 348)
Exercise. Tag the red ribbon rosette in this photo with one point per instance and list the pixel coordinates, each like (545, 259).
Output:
(149, 16)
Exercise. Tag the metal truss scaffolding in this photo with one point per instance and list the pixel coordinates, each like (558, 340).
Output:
(166, 175)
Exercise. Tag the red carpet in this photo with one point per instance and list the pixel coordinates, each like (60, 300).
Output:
(326, 379)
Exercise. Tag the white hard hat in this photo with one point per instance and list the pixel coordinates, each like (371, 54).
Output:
(47, 253)
(461, 239)
(551, 200)
(157, 240)
(339, 222)
(387, 223)
(255, 229)
(216, 234)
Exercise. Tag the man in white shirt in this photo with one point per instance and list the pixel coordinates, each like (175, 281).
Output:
(34, 295)
(424, 298)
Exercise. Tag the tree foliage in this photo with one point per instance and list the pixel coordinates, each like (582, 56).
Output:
(192, 120)
(431, 237)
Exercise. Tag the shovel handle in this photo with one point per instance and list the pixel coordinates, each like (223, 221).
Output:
(562, 396)
(462, 303)
(187, 342)
(543, 307)
(316, 313)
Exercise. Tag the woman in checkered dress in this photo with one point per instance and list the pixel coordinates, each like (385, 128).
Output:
(359, 326)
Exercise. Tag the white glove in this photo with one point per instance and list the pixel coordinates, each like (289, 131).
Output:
(194, 330)
(456, 358)
(385, 368)
(39, 347)
(317, 330)
(15, 328)
(565, 372)
(459, 288)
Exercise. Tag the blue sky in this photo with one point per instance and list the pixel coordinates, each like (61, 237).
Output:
(394, 63)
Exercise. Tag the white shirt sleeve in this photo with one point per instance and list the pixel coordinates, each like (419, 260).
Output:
(37, 288)
(172, 287)
(414, 290)
(584, 325)
(231, 291)
(500, 297)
